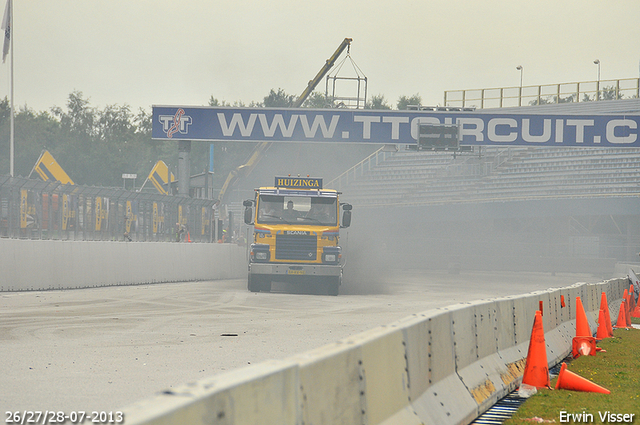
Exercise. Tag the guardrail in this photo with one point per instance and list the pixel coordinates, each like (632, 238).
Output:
(440, 367)
(34, 209)
(585, 91)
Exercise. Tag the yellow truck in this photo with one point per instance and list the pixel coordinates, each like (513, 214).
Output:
(296, 234)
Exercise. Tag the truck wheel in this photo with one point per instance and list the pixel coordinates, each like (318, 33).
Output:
(253, 284)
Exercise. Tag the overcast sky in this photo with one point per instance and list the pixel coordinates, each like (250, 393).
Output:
(161, 52)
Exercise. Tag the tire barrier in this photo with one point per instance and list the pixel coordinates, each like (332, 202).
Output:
(52, 264)
(443, 366)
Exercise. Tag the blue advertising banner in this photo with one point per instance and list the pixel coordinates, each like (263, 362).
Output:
(395, 127)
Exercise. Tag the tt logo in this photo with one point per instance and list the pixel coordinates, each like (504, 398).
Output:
(178, 123)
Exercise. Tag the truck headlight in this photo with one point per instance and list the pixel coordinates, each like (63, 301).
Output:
(331, 255)
(259, 252)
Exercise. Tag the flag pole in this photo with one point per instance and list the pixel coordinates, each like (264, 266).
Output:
(12, 131)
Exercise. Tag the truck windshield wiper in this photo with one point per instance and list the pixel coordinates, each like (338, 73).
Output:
(278, 217)
(311, 218)
(322, 222)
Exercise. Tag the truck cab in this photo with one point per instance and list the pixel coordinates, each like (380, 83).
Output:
(296, 234)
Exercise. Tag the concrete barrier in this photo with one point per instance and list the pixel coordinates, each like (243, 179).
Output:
(261, 394)
(429, 340)
(51, 264)
(443, 366)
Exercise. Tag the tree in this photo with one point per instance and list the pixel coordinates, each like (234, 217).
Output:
(552, 99)
(319, 100)
(33, 133)
(80, 118)
(96, 147)
(568, 99)
(215, 102)
(5, 110)
(279, 99)
(377, 102)
(610, 93)
(404, 101)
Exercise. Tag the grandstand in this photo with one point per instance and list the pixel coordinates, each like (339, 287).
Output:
(508, 208)
(492, 174)
(499, 173)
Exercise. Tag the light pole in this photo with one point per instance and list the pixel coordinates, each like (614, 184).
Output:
(519, 68)
(597, 62)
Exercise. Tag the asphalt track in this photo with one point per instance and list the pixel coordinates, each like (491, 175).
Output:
(101, 349)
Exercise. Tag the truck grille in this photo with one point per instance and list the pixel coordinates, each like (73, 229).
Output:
(296, 247)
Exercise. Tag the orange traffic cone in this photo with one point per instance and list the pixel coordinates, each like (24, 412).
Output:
(604, 305)
(582, 324)
(622, 320)
(562, 304)
(536, 371)
(625, 299)
(603, 329)
(627, 312)
(570, 381)
(636, 311)
(188, 237)
(583, 346)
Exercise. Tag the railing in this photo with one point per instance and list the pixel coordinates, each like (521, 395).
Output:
(34, 209)
(359, 169)
(544, 94)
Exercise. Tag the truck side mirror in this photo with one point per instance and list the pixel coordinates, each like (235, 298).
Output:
(248, 215)
(346, 218)
(248, 212)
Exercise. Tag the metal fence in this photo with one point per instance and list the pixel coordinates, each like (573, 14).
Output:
(35, 209)
(359, 169)
(542, 94)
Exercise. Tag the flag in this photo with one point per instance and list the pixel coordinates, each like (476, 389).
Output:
(49, 170)
(6, 26)
(161, 177)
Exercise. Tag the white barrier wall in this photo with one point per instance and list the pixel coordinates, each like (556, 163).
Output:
(37, 264)
(440, 367)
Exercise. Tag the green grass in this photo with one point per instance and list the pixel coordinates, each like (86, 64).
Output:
(617, 369)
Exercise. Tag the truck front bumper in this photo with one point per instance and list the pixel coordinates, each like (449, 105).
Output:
(295, 269)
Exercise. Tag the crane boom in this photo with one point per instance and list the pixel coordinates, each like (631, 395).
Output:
(323, 71)
(246, 168)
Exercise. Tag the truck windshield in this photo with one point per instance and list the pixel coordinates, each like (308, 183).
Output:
(319, 211)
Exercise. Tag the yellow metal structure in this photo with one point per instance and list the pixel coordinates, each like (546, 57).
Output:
(49, 170)
(161, 177)
(130, 217)
(28, 212)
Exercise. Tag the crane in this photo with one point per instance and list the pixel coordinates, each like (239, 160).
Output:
(245, 169)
